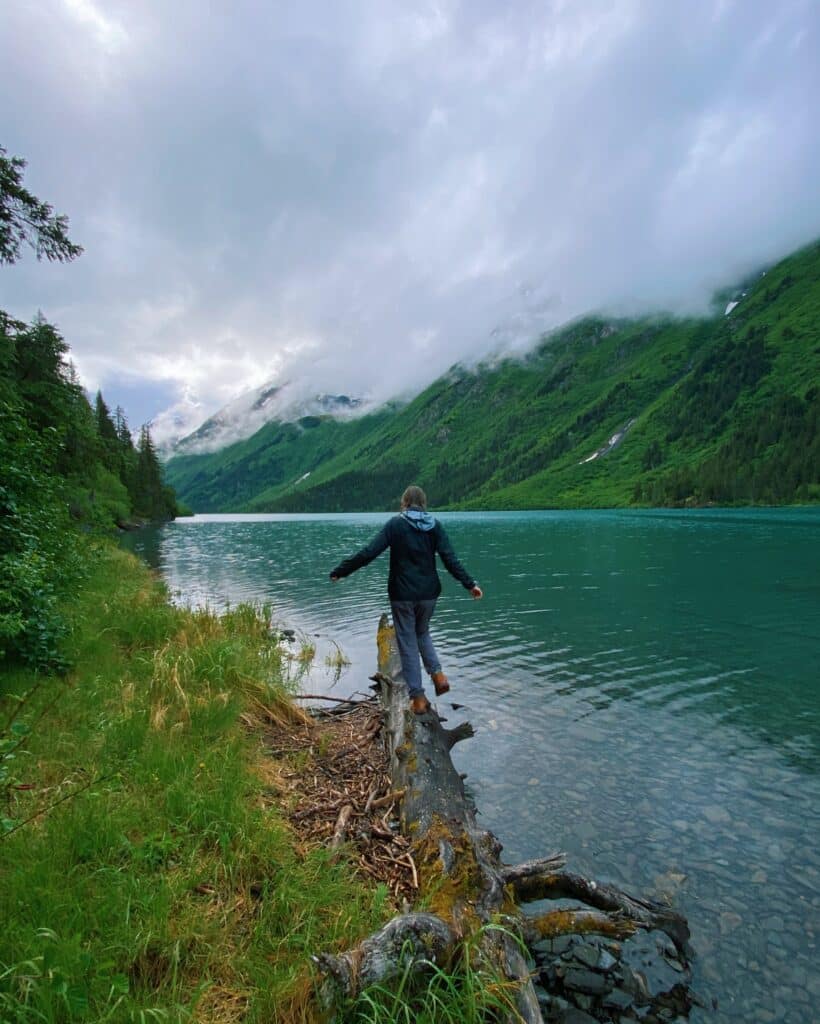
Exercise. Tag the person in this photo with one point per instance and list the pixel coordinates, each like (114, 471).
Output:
(414, 537)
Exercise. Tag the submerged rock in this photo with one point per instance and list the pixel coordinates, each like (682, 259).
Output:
(586, 954)
(586, 981)
(589, 978)
(617, 999)
(606, 961)
(576, 1016)
(560, 944)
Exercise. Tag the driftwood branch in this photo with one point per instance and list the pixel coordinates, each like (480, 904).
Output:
(342, 822)
(325, 696)
(514, 873)
(389, 798)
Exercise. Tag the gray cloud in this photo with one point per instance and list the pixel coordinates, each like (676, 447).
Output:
(360, 193)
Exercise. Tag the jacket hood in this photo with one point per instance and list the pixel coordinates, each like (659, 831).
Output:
(419, 518)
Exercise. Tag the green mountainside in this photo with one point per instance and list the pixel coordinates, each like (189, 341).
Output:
(650, 411)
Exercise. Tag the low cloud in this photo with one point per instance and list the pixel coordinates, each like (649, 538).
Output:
(359, 195)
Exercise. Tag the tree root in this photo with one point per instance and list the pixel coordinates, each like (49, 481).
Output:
(409, 942)
(644, 913)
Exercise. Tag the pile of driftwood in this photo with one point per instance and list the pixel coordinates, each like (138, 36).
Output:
(334, 773)
(456, 866)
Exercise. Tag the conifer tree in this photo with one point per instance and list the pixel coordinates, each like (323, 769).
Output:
(105, 425)
(25, 218)
(153, 499)
(82, 450)
(107, 431)
(127, 453)
(42, 374)
(122, 428)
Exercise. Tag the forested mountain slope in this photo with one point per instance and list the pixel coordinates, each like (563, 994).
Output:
(603, 412)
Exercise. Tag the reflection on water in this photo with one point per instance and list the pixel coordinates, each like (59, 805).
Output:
(645, 690)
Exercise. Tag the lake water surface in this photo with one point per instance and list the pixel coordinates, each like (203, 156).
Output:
(645, 687)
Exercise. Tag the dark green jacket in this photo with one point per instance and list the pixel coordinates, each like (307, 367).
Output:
(413, 575)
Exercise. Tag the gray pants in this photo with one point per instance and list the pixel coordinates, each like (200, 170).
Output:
(412, 622)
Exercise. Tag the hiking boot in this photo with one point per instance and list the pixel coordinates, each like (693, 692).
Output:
(419, 704)
(440, 683)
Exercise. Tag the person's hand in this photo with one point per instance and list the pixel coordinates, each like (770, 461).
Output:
(334, 579)
(477, 592)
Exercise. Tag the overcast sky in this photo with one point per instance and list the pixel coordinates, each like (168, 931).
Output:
(357, 193)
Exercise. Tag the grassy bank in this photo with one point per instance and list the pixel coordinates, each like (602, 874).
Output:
(156, 879)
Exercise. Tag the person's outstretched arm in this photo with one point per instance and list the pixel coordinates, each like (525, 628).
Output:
(452, 564)
(362, 557)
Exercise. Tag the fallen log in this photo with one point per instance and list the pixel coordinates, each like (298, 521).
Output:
(467, 889)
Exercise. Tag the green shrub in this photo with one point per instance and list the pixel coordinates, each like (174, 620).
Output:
(39, 549)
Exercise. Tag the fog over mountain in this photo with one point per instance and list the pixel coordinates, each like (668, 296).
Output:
(288, 402)
(356, 195)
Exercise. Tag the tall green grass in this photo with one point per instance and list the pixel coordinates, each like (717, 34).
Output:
(471, 991)
(144, 874)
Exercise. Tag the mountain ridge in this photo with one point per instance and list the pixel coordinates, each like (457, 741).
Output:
(602, 412)
(247, 413)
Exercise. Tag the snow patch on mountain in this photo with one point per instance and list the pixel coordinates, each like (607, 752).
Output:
(286, 403)
(614, 442)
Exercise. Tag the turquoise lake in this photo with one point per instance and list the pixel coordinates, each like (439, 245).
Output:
(645, 686)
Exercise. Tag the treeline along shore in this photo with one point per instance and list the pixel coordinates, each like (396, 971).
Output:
(65, 464)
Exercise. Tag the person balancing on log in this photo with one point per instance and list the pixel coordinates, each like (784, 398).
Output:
(413, 585)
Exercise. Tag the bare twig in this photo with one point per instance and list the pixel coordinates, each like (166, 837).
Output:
(51, 806)
(390, 798)
(409, 858)
(513, 873)
(324, 696)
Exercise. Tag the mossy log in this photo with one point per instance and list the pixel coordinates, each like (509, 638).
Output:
(461, 878)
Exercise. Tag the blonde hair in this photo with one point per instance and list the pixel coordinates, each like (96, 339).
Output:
(414, 496)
